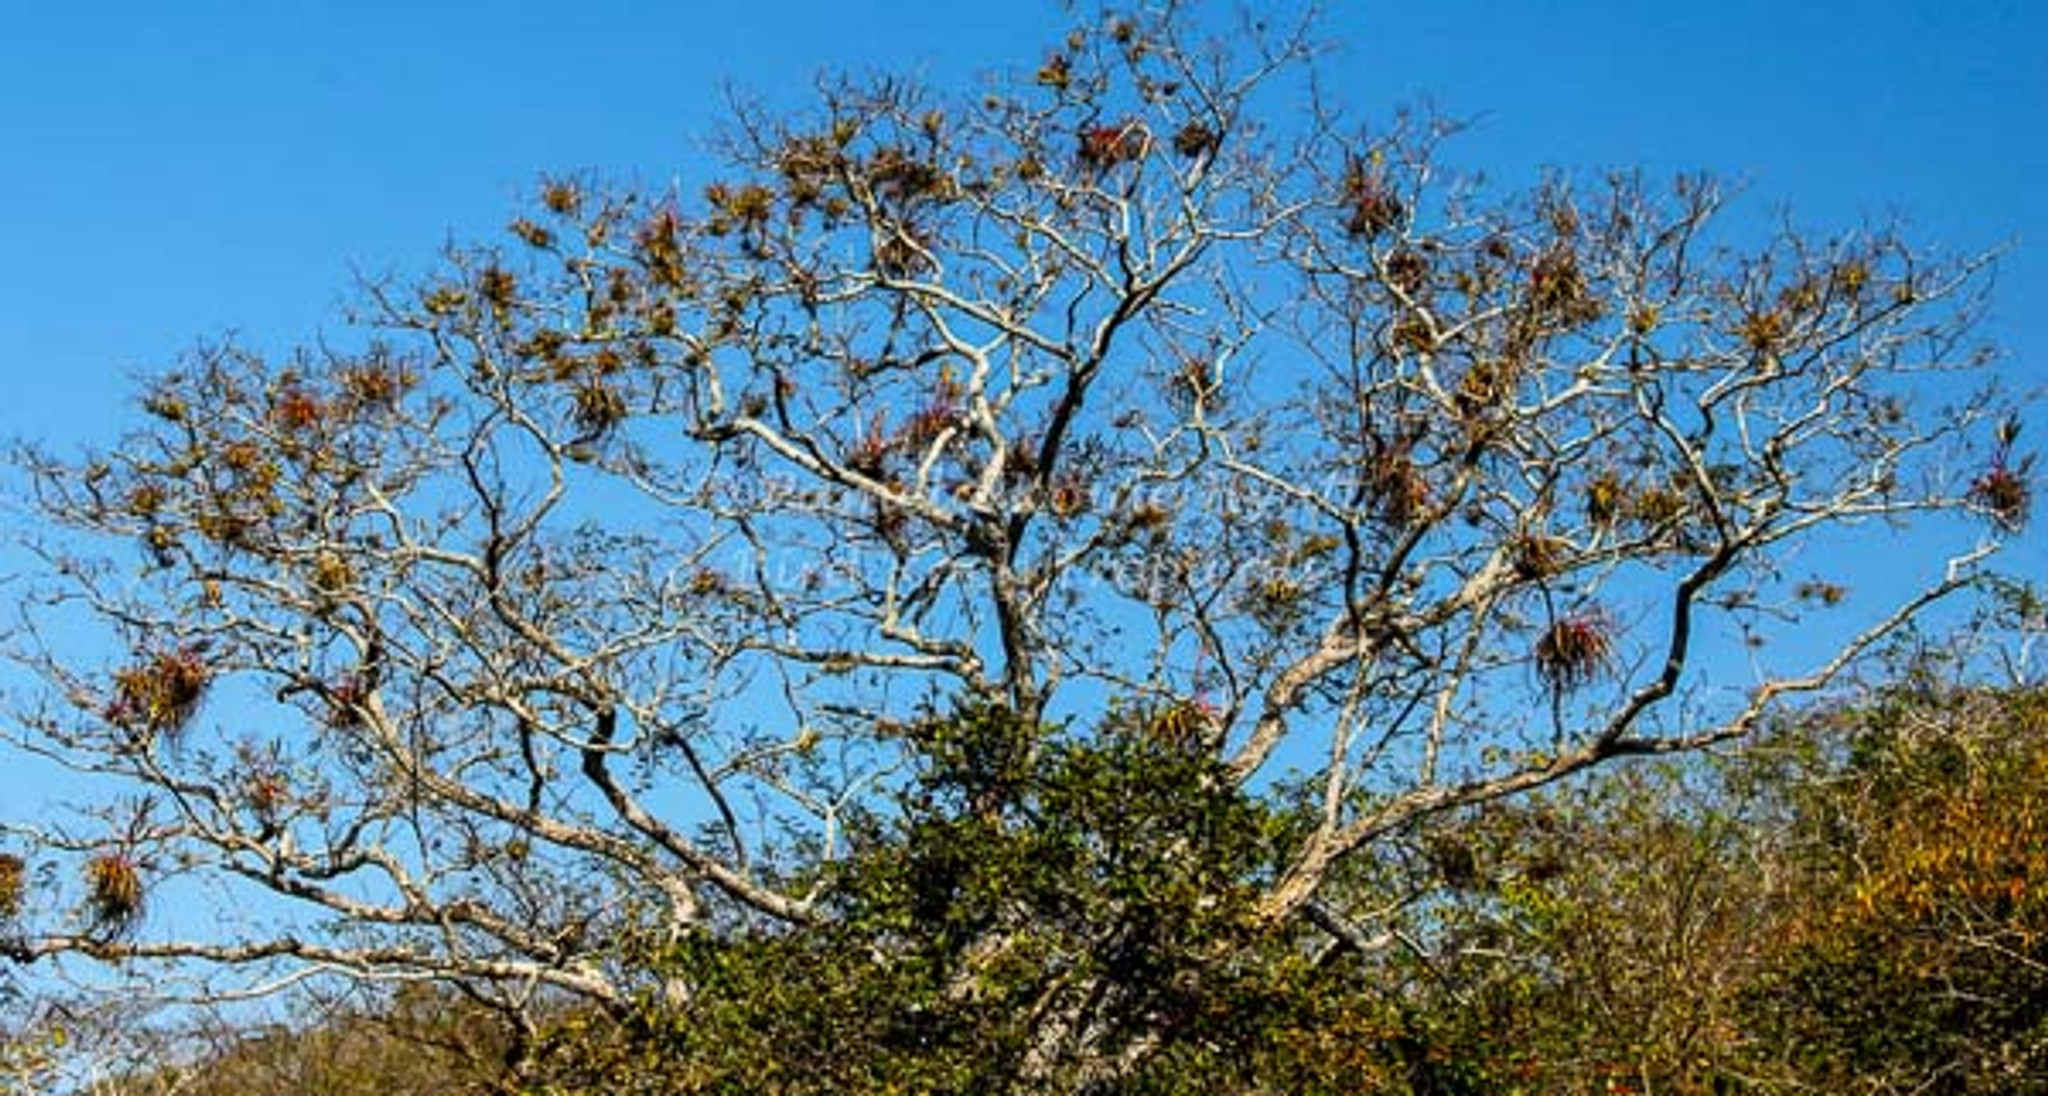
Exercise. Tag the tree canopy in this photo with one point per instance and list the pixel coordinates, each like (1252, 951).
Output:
(1054, 539)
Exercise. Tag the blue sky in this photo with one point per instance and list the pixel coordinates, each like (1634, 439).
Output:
(175, 172)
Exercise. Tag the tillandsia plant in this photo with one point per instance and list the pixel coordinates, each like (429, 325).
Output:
(2005, 490)
(160, 694)
(13, 885)
(113, 892)
(1575, 649)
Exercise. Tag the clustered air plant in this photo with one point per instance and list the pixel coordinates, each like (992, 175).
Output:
(1605, 497)
(1407, 271)
(1193, 384)
(294, 409)
(746, 208)
(1538, 556)
(266, 793)
(346, 699)
(1658, 507)
(869, 454)
(1105, 147)
(1486, 395)
(657, 245)
(1149, 518)
(1069, 498)
(1195, 140)
(905, 252)
(1399, 492)
(2003, 492)
(265, 785)
(532, 234)
(13, 882)
(940, 414)
(1183, 724)
(1370, 204)
(1057, 73)
(499, 289)
(597, 408)
(1559, 292)
(1574, 650)
(159, 694)
(1822, 592)
(113, 891)
(331, 574)
(902, 177)
(1275, 601)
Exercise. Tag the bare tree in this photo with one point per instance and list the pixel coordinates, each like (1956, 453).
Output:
(587, 599)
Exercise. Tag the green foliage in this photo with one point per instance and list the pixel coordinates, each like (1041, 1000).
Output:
(1590, 941)
(1097, 886)
(1919, 962)
(1852, 905)
(415, 1040)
